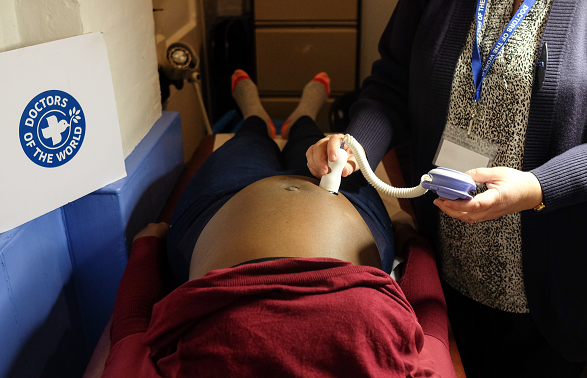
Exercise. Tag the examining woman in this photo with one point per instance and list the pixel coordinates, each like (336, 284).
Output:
(495, 88)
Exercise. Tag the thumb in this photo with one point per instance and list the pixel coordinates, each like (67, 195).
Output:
(351, 165)
(481, 174)
(348, 169)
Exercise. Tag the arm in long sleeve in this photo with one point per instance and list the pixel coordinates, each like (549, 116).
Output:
(421, 286)
(380, 118)
(564, 178)
(145, 281)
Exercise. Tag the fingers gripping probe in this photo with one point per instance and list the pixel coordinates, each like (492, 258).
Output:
(444, 182)
(331, 181)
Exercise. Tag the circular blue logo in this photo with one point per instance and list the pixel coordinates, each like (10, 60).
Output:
(52, 128)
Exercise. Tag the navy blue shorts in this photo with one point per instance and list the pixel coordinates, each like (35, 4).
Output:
(251, 155)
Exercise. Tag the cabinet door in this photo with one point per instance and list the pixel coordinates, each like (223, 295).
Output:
(287, 58)
(306, 10)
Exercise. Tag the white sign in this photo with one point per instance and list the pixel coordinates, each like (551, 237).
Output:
(59, 131)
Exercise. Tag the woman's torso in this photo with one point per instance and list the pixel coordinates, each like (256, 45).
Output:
(484, 261)
(283, 216)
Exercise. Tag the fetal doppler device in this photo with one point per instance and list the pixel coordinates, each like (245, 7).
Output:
(445, 182)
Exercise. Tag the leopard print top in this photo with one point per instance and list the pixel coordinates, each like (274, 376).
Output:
(484, 261)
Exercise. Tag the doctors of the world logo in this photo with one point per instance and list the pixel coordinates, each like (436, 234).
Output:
(52, 128)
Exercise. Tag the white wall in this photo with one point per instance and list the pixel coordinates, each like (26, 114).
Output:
(375, 15)
(181, 21)
(9, 38)
(129, 34)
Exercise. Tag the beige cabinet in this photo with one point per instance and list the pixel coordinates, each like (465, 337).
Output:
(306, 10)
(295, 40)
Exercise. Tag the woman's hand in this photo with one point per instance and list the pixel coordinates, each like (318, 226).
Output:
(159, 230)
(508, 191)
(326, 149)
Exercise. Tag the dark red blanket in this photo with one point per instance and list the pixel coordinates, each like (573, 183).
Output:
(290, 317)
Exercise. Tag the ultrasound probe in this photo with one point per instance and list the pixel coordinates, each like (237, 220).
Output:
(445, 182)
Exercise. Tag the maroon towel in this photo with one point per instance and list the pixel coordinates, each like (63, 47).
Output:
(286, 318)
(293, 317)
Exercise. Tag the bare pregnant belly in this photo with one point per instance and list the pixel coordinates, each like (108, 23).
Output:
(283, 216)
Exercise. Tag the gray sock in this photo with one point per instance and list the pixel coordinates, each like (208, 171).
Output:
(313, 98)
(247, 97)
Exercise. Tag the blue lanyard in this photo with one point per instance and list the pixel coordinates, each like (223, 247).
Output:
(479, 71)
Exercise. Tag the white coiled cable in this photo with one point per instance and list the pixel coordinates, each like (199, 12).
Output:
(382, 187)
